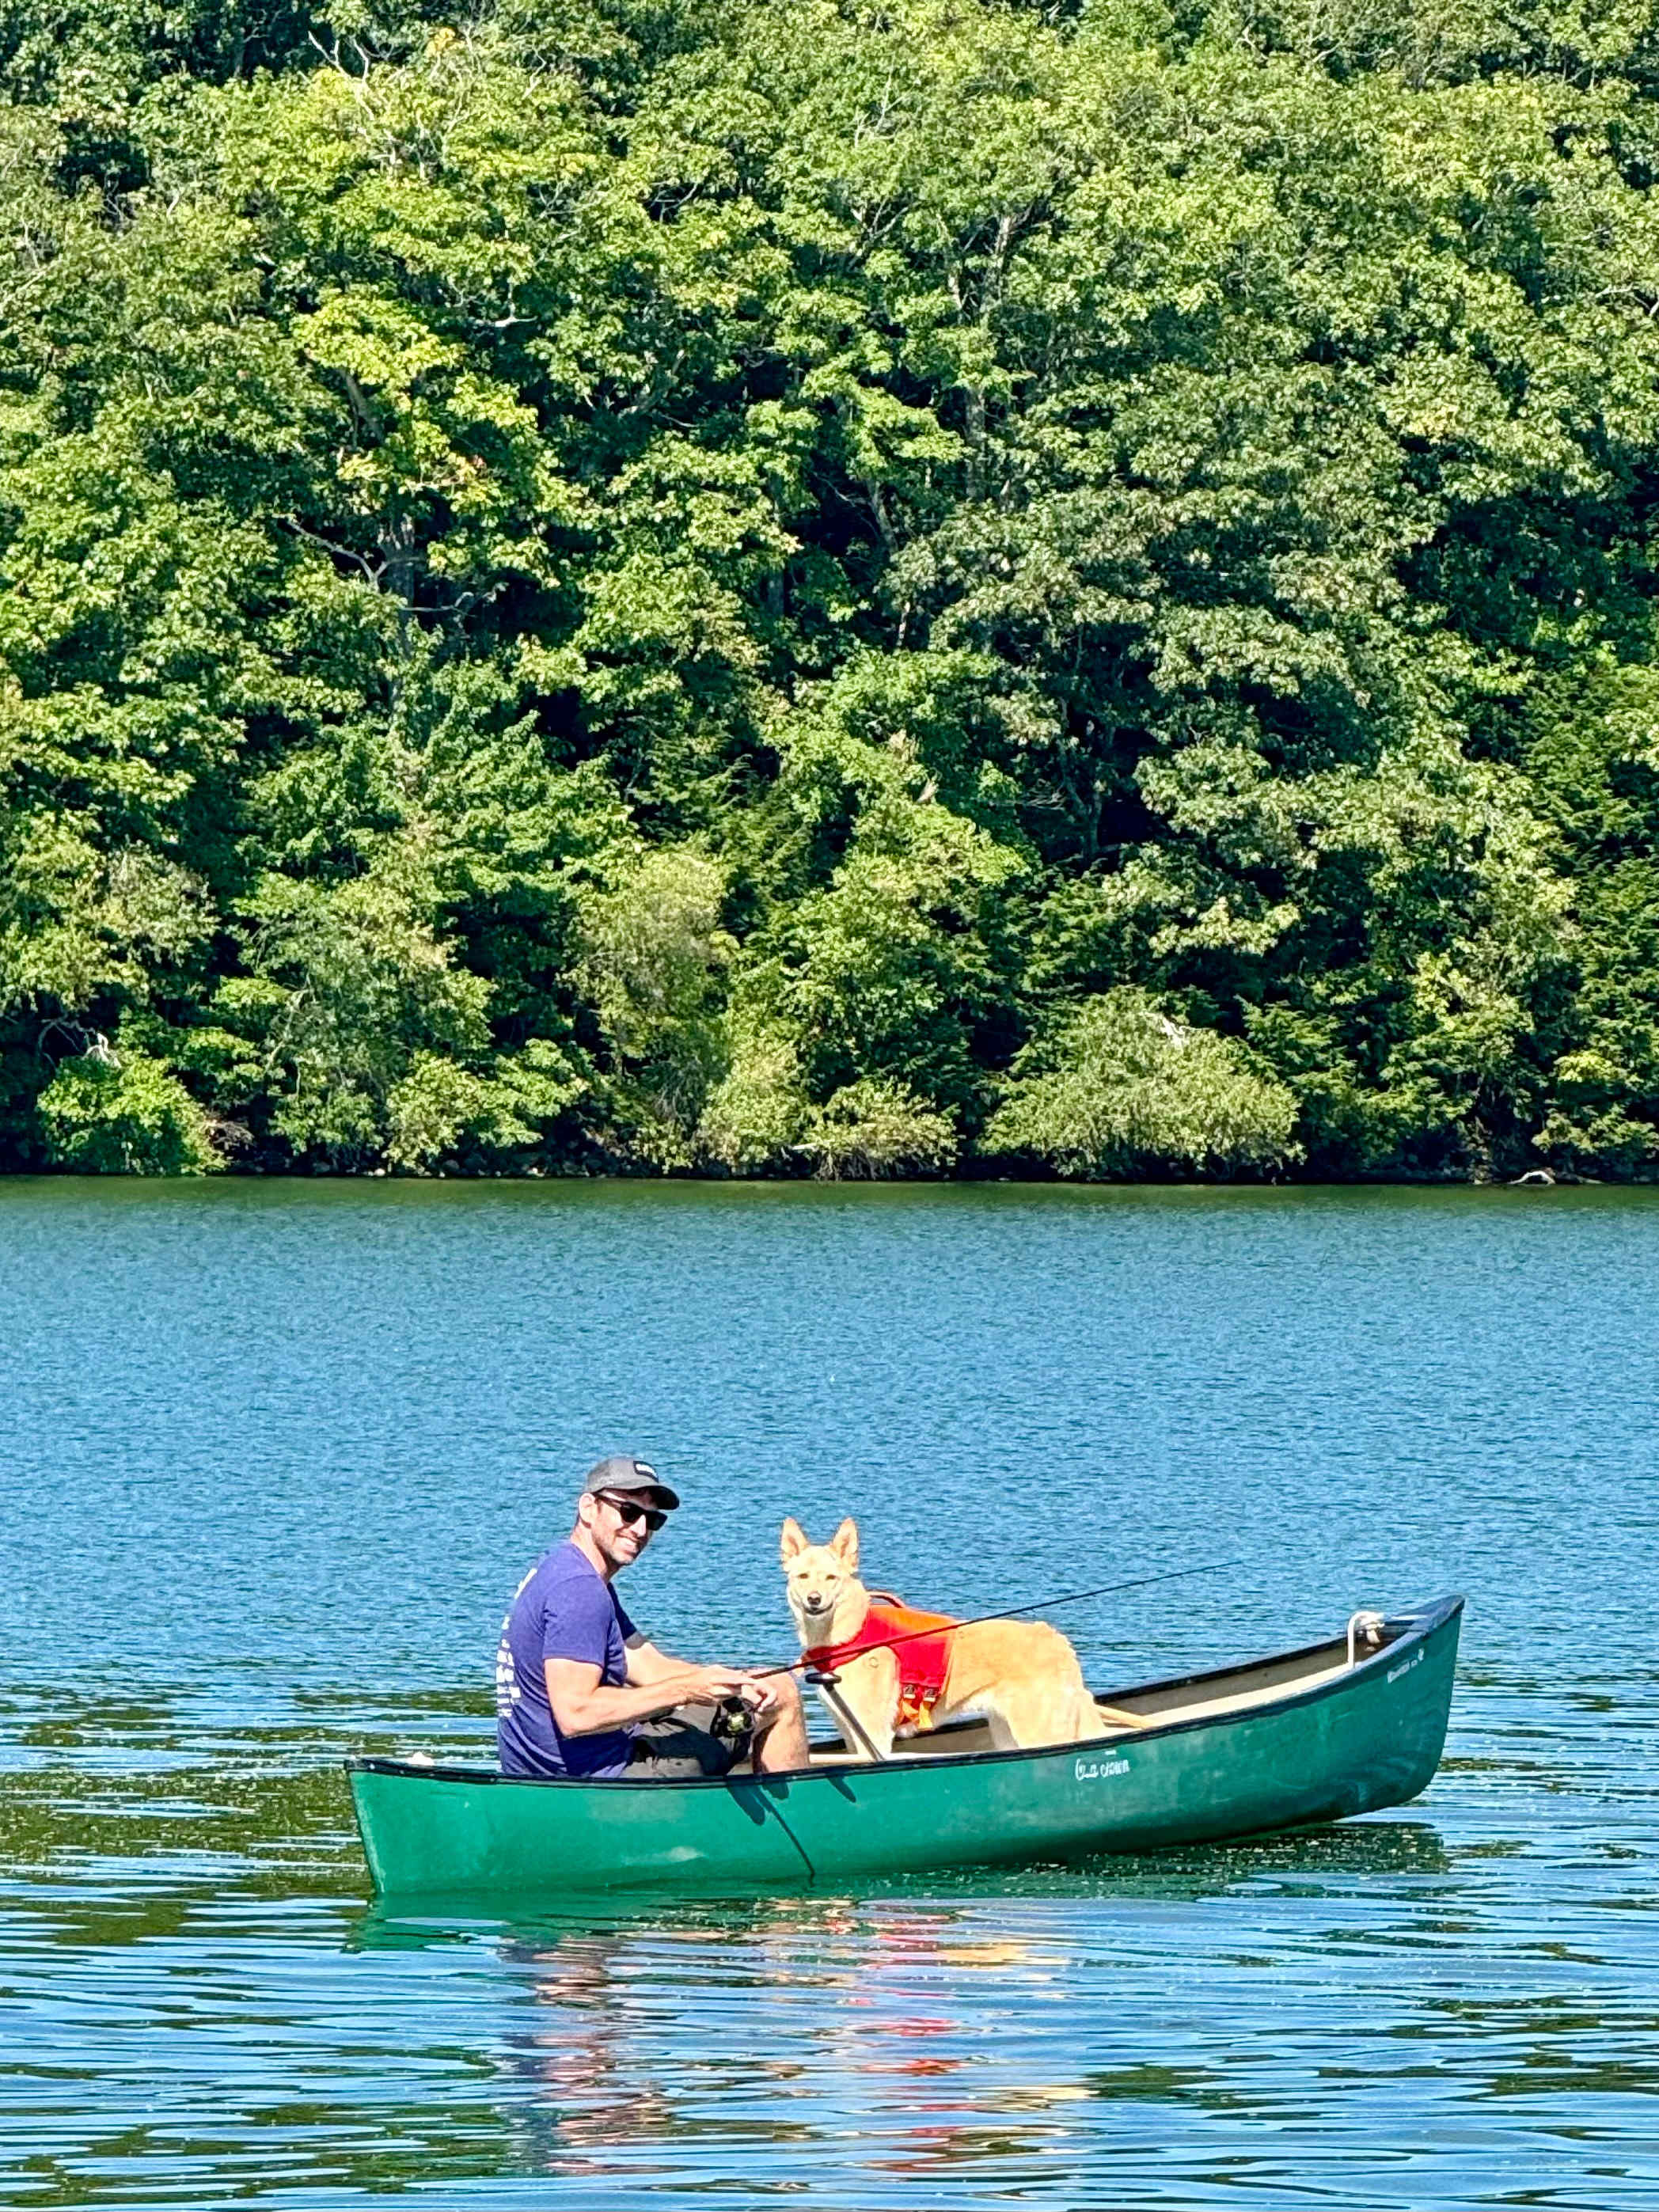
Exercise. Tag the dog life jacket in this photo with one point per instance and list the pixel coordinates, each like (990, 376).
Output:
(924, 1661)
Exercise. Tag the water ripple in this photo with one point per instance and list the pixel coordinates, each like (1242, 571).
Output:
(285, 1451)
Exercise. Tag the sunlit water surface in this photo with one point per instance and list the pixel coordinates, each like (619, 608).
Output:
(274, 1456)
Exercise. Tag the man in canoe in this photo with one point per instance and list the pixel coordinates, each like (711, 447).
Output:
(578, 1691)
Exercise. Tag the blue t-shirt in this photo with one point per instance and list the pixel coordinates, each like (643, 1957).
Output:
(562, 1609)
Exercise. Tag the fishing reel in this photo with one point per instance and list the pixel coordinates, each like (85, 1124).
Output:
(733, 1721)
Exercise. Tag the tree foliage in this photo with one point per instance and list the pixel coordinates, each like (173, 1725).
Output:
(817, 587)
(1118, 1087)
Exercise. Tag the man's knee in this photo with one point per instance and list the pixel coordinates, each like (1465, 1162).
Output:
(786, 1711)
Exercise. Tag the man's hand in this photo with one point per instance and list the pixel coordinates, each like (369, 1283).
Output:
(759, 1692)
(710, 1686)
(582, 1706)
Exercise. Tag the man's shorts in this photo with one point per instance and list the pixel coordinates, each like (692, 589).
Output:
(677, 1746)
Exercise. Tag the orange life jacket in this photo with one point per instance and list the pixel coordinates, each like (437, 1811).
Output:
(924, 1659)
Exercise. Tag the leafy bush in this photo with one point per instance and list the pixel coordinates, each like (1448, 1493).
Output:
(111, 1113)
(1119, 1086)
(871, 1129)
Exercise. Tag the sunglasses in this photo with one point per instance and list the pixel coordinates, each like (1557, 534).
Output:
(629, 1510)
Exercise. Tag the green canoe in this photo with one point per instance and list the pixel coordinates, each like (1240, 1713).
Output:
(1305, 1737)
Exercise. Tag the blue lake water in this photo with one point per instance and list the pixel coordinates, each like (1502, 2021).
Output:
(273, 1457)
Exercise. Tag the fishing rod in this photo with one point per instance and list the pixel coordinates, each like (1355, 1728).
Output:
(1008, 1613)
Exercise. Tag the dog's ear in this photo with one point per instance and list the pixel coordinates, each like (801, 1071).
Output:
(845, 1544)
(792, 1540)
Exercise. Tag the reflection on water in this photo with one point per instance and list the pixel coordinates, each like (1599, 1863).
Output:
(197, 2001)
(1452, 2006)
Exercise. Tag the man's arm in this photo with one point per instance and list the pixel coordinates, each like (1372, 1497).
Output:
(646, 1666)
(584, 1705)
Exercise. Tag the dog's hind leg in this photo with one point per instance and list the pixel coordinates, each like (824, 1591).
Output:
(1089, 1721)
(1023, 1716)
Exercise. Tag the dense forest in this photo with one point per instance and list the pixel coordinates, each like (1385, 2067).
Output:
(805, 587)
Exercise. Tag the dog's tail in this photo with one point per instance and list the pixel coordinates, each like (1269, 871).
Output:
(1096, 1719)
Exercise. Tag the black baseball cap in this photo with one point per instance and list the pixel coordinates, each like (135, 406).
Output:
(622, 1473)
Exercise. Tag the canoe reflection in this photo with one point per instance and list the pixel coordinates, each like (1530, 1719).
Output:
(632, 2039)
(593, 2051)
(577, 2052)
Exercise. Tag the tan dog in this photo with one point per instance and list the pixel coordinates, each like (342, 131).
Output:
(1022, 1674)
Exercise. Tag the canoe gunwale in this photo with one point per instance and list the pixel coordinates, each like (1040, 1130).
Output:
(1417, 1621)
(1415, 1627)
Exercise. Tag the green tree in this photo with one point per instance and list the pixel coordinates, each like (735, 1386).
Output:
(809, 589)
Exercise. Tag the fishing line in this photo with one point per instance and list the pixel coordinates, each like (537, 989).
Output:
(1011, 1612)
